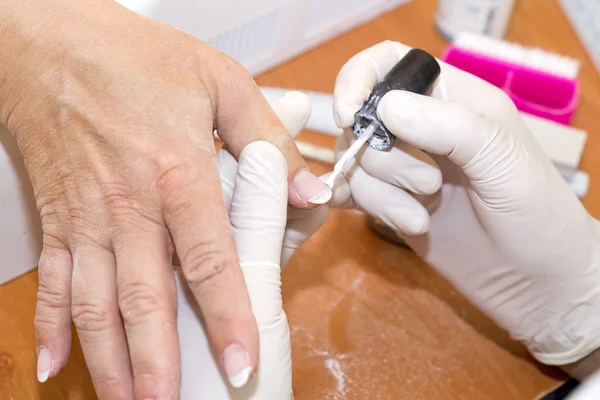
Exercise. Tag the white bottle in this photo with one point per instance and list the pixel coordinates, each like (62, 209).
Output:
(487, 17)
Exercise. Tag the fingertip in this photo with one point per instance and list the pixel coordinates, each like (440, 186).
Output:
(293, 110)
(300, 103)
(399, 108)
(428, 182)
(392, 205)
(417, 219)
(308, 191)
(52, 358)
(421, 223)
(44, 364)
(412, 221)
(237, 365)
(52, 320)
(437, 181)
(343, 113)
(410, 117)
(322, 197)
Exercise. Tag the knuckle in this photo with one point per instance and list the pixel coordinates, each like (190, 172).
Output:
(161, 378)
(47, 207)
(232, 67)
(236, 84)
(50, 298)
(49, 210)
(65, 225)
(52, 304)
(111, 387)
(48, 191)
(280, 138)
(176, 176)
(125, 208)
(139, 302)
(83, 236)
(91, 315)
(116, 195)
(76, 213)
(44, 322)
(203, 264)
(87, 227)
(174, 173)
(52, 241)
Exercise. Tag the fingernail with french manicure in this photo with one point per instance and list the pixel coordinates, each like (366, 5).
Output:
(44, 364)
(310, 188)
(237, 365)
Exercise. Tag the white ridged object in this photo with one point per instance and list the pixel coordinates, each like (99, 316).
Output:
(534, 58)
(260, 34)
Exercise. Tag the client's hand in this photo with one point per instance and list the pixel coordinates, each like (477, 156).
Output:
(255, 192)
(505, 228)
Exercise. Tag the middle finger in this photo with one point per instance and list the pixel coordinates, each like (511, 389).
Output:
(146, 287)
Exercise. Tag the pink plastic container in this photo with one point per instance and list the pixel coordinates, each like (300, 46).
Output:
(534, 92)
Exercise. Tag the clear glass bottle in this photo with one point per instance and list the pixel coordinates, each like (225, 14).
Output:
(487, 17)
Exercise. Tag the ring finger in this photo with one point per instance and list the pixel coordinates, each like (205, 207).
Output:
(96, 316)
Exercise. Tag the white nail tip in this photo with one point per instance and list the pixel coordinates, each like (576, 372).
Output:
(43, 376)
(322, 197)
(239, 380)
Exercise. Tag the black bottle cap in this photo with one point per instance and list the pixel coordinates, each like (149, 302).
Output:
(416, 72)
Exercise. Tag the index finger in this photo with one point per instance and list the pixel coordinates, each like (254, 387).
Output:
(197, 219)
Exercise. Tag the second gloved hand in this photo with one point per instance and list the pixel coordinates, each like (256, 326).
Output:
(505, 228)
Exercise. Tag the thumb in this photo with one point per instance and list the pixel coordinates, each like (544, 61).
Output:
(243, 115)
(293, 110)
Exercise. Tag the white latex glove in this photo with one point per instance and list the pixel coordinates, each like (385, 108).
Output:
(255, 193)
(588, 389)
(505, 229)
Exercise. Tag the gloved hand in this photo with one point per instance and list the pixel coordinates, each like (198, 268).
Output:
(255, 193)
(588, 389)
(499, 222)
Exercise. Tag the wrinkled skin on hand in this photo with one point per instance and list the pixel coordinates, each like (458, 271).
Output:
(114, 115)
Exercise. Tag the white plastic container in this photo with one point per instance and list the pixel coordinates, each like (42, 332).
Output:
(487, 17)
